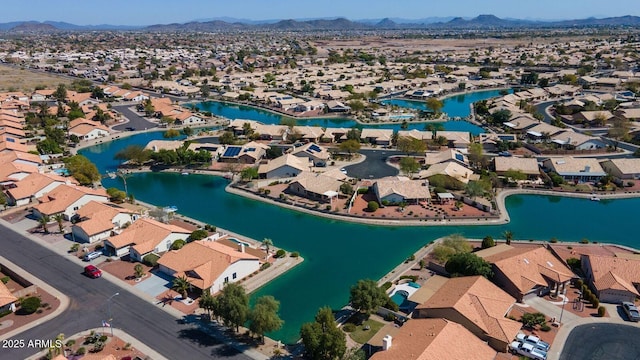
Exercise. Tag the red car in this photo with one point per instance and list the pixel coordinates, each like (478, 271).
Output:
(92, 271)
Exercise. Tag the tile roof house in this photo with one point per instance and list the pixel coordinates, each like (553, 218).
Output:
(11, 173)
(376, 136)
(209, 264)
(526, 270)
(622, 168)
(7, 299)
(578, 140)
(315, 186)
(143, 237)
(528, 166)
(426, 339)
(314, 152)
(96, 221)
(576, 169)
(285, 166)
(398, 189)
(87, 129)
(34, 186)
(456, 139)
(446, 156)
(452, 169)
(67, 199)
(477, 304)
(614, 278)
(248, 153)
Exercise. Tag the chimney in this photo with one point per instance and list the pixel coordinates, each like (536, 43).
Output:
(587, 168)
(241, 248)
(386, 342)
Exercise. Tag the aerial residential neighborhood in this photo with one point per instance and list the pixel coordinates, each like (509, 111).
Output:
(281, 183)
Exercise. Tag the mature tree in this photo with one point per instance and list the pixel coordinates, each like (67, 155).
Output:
(619, 131)
(248, 174)
(346, 189)
(273, 152)
(474, 189)
(209, 303)
(434, 104)
(3, 200)
(82, 169)
(468, 264)
(227, 138)
(409, 165)
(134, 154)
(181, 285)
(187, 131)
(356, 105)
(353, 134)
(44, 220)
(488, 242)
(148, 108)
(410, 145)
(61, 93)
(234, 305)
(366, 296)
(322, 339)
(48, 146)
(205, 90)
(350, 146)
(515, 175)
(508, 236)
(450, 245)
(476, 155)
(267, 243)
(264, 316)
(171, 133)
(116, 195)
(500, 116)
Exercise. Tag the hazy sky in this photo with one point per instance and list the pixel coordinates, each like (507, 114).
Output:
(145, 12)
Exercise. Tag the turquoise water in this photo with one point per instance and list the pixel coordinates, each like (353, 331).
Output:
(455, 106)
(399, 298)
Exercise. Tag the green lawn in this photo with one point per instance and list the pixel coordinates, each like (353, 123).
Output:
(361, 336)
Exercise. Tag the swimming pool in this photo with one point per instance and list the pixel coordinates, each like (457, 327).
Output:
(402, 292)
(62, 171)
(401, 117)
(239, 242)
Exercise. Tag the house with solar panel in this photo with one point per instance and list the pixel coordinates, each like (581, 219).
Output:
(314, 152)
(440, 157)
(249, 153)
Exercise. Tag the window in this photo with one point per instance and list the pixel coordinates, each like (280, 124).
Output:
(226, 280)
(235, 276)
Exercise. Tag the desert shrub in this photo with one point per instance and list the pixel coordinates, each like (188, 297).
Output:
(413, 278)
(178, 244)
(5, 279)
(579, 283)
(389, 317)
(574, 263)
(151, 260)
(372, 206)
(530, 320)
(602, 311)
(265, 266)
(386, 286)
(349, 327)
(584, 241)
(363, 190)
(198, 234)
(280, 253)
(295, 254)
(30, 305)
(545, 327)
(81, 351)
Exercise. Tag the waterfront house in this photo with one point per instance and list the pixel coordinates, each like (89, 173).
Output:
(578, 141)
(87, 130)
(452, 169)
(398, 189)
(614, 278)
(34, 186)
(430, 339)
(455, 139)
(67, 200)
(376, 136)
(577, 170)
(285, 166)
(309, 133)
(527, 166)
(335, 135)
(7, 299)
(209, 264)
(432, 158)
(143, 237)
(526, 271)
(415, 134)
(249, 153)
(315, 186)
(623, 169)
(477, 304)
(490, 141)
(314, 152)
(96, 221)
(337, 106)
(520, 123)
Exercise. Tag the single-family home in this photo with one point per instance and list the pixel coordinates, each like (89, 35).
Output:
(309, 133)
(7, 299)
(34, 186)
(432, 158)
(67, 200)
(431, 339)
(578, 141)
(209, 265)
(96, 221)
(249, 153)
(315, 186)
(527, 166)
(601, 116)
(87, 129)
(453, 169)
(491, 142)
(455, 139)
(315, 153)
(395, 190)
(576, 170)
(377, 136)
(623, 169)
(337, 106)
(527, 270)
(615, 278)
(143, 237)
(285, 166)
(477, 304)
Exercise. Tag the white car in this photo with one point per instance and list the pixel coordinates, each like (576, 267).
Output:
(533, 340)
(527, 350)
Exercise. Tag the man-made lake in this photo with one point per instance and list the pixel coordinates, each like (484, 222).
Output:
(337, 254)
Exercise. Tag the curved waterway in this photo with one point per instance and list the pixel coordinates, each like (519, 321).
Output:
(454, 106)
(336, 253)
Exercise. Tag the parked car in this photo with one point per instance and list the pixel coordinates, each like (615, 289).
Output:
(344, 171)
(504, 153)
(533, 340)
(92, 271)
(92, 255)
(631, 310)
(527, 350)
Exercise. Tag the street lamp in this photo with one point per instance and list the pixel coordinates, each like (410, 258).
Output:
(109, 307)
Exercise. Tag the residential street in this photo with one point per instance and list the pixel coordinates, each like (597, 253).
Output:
(88, 307)
(136, 121)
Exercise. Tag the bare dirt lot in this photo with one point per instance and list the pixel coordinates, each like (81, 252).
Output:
(22, 80)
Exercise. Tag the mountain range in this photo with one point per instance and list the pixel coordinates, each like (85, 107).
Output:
(335, 24)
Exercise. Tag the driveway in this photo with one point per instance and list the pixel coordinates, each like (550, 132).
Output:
(374, 166)
(136, 121)
(602, 341)
(156, 284)
(551, 309)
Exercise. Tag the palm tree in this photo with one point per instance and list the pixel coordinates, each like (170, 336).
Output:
(181, 285)
(267, 244)
(139, 271)
(508, 235)
(59, 218)
(44, 220)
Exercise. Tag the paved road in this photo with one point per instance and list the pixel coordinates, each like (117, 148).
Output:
(88, 307)
(374, 166)
(541, 108)
(601, 341)
(136, 121)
